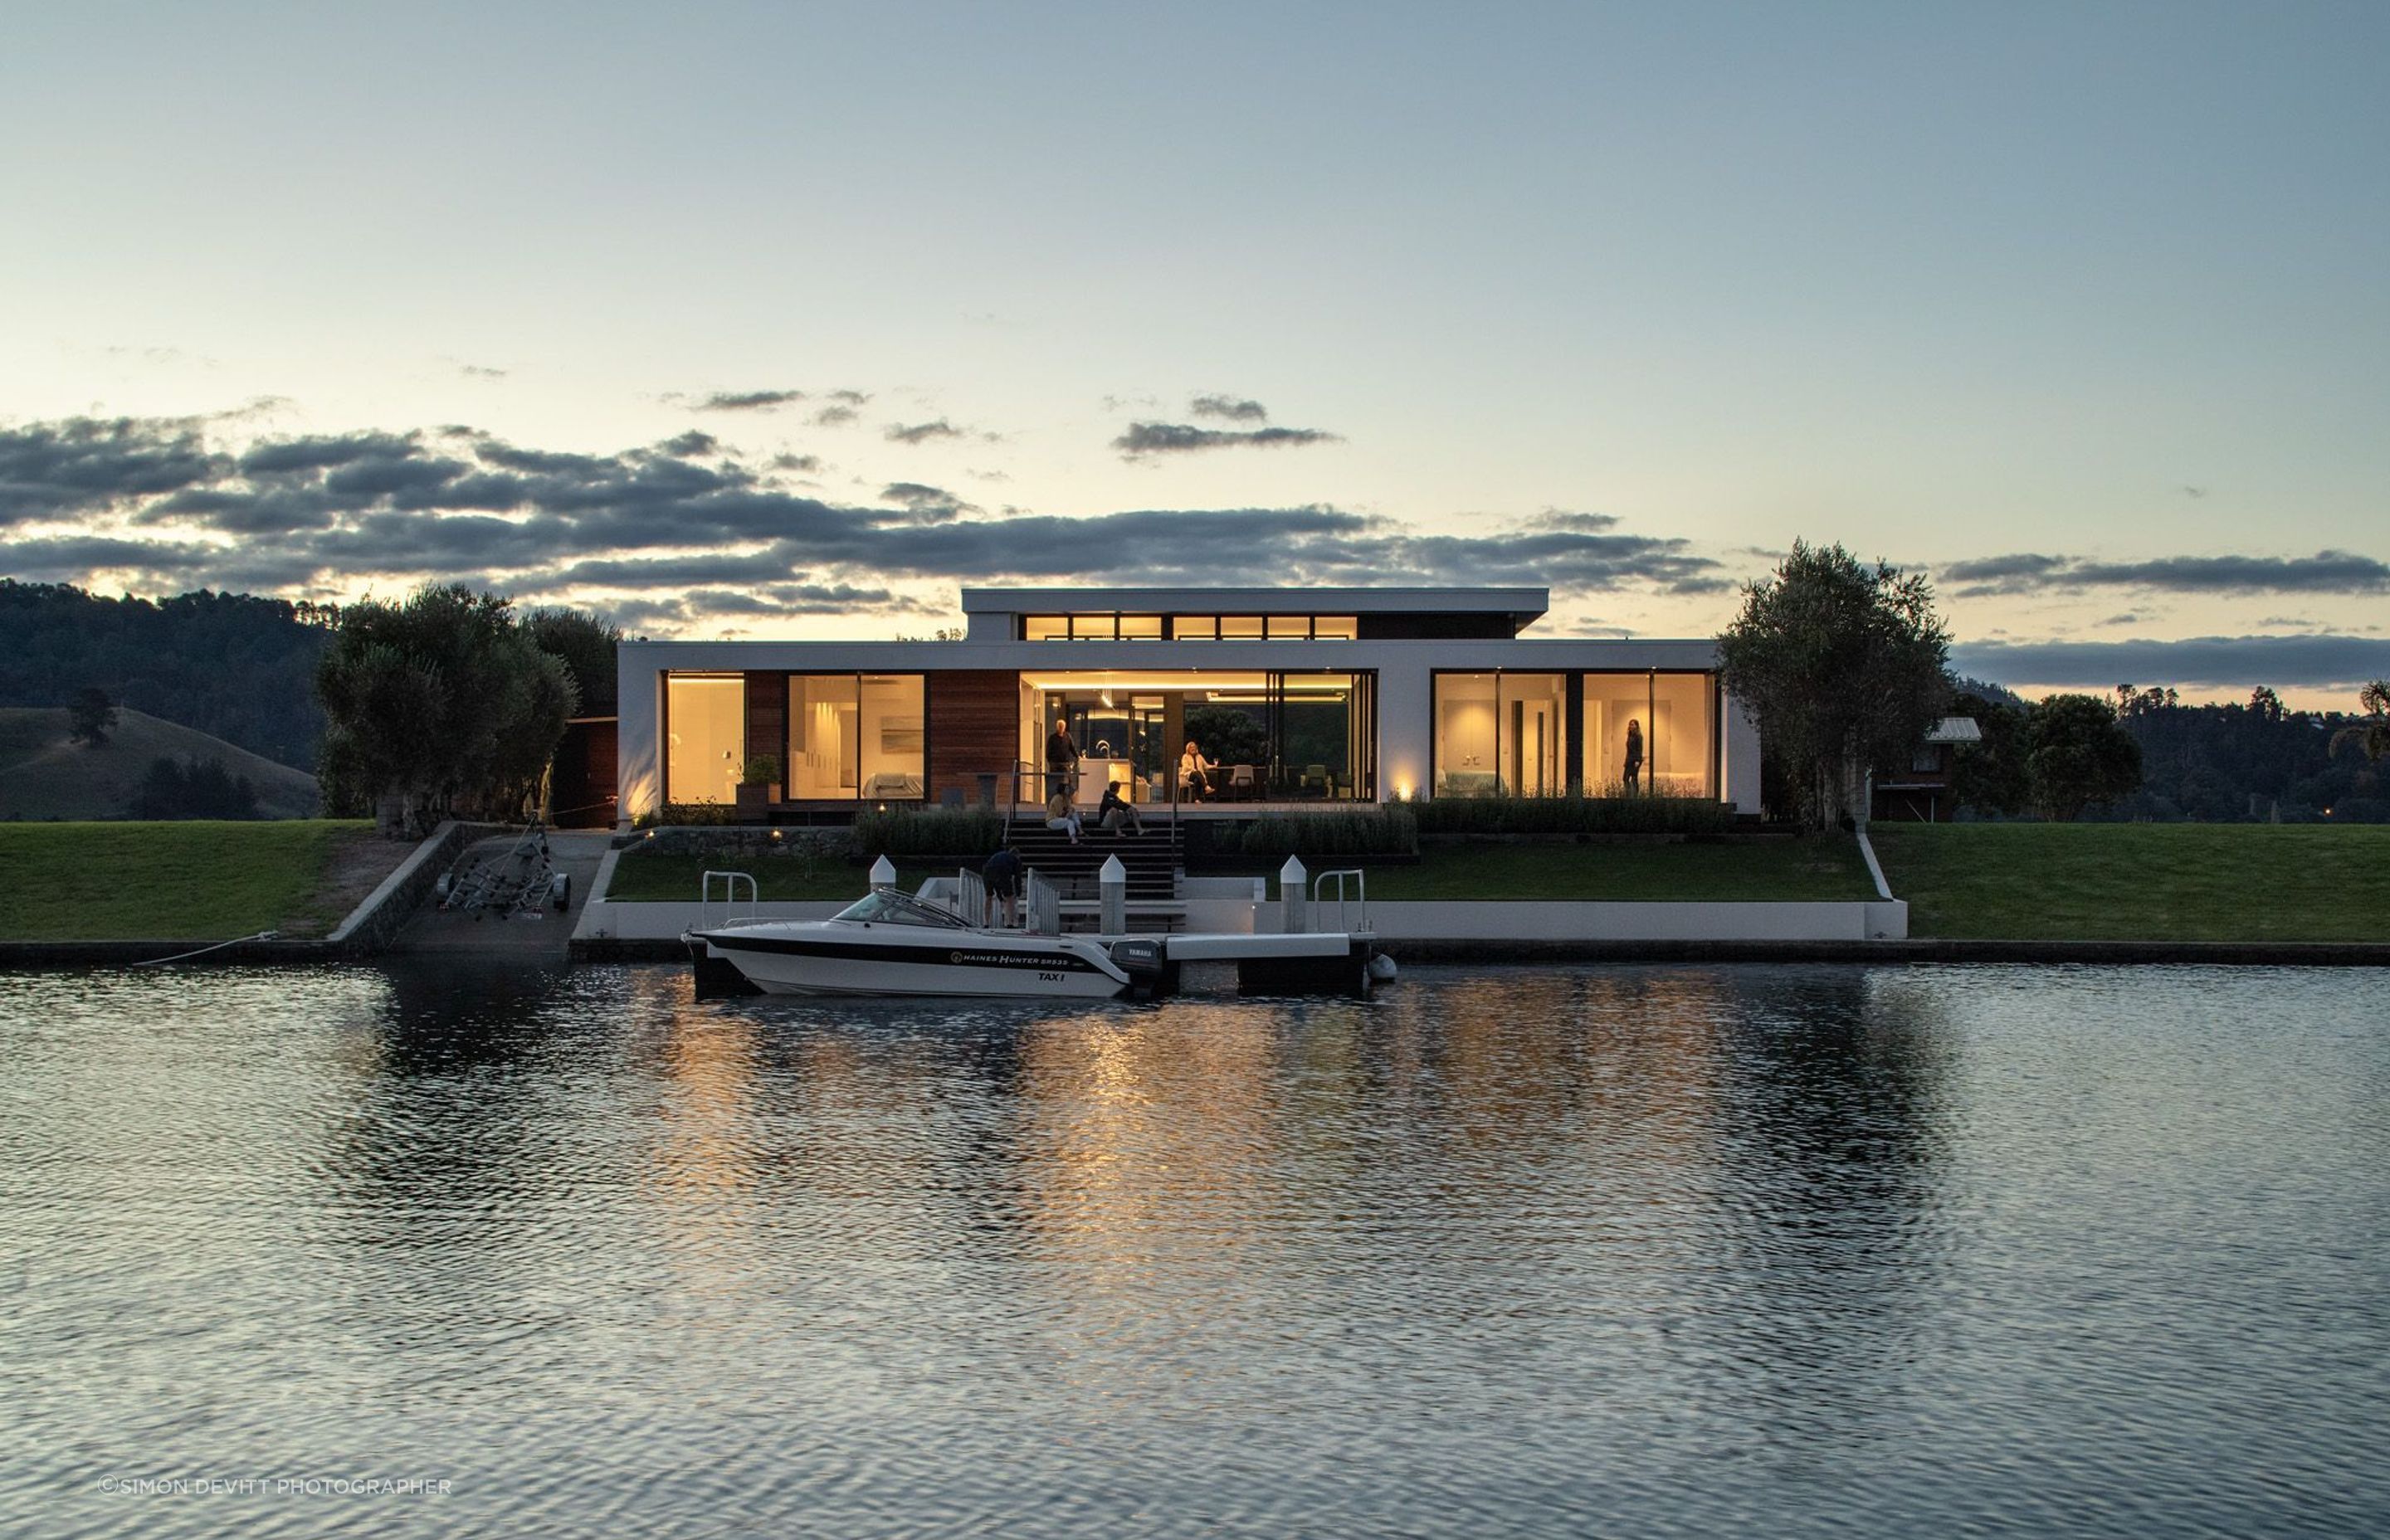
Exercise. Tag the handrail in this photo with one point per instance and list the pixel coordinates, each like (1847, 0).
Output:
(1044, 905)
(730, 881)
(1361, 899)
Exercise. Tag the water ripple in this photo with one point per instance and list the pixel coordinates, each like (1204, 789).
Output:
(1800, 1251)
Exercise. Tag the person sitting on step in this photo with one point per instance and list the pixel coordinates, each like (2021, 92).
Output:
(1115, 813)
(1061, 815)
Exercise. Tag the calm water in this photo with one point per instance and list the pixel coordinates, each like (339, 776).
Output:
(1629, 1250)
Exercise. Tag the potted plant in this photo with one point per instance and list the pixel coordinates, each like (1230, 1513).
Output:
(759, 787)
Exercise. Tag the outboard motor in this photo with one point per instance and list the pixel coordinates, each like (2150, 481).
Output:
(1146, 960)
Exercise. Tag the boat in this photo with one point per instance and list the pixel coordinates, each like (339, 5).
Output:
(891, 943)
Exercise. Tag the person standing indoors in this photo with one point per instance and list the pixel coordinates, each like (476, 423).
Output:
(1062, 760)
(1634, 756)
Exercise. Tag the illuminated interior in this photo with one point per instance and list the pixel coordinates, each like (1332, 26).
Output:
(1507, 735)
(1273, 735)
(705, 746)
(855, 735)
(1109, 627)
(1672, 713)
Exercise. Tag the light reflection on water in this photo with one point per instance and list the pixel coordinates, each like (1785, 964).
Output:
(1652, 1250)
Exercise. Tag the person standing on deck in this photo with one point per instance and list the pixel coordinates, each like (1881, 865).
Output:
(1001, 876)
(1062, 761)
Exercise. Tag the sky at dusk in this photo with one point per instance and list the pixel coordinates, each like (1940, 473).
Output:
(789, 321)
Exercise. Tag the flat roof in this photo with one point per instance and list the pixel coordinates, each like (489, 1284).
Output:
(1528, 602)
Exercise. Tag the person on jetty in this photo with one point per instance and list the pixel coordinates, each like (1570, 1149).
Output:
(1001, 876)
(1634, 754)
(1115, 813)
(1061, 816)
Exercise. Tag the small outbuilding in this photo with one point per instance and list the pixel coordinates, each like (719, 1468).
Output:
(1922, 792)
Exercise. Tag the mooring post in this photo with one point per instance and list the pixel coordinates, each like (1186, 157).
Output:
(883, 873)
(1112, 888)
(1291, 917)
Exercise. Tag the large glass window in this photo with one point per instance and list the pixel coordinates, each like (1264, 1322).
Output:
(1270, 735)
(825, 753)
(1647, 732)
(705, 746)
(1466, 761)
(1501, 735)
(855, 735)
(894, 736)
(1681, 734)
(1533, 725)
(1324, 734)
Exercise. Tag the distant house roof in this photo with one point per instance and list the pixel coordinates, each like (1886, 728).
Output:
(1956, 730)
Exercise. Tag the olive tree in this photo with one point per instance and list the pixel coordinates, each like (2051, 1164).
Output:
(439, 703)
(1842, 666)
(587, 645)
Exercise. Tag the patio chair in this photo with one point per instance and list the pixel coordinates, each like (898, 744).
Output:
(1243, 787)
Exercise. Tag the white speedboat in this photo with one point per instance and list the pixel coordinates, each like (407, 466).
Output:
(889, 944)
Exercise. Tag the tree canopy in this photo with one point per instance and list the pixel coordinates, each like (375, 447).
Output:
(441, 702)
(2372, 733)
(1841, 665)
(91, 717)
(2077, 753)
(586, 646)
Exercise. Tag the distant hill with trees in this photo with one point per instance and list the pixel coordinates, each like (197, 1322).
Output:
(2256, 761)
(232, 666)
(46, 772)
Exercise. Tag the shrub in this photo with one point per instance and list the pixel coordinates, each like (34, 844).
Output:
(1647, 815)
(762, 770)
(928, 831)
(1374, 831)
(690, 815)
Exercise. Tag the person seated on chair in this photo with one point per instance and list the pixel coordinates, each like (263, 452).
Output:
(1115, 813)
(1195, 773)
(1061, 815)
(1001, 876)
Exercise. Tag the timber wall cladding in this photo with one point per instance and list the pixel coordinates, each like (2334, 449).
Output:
(973, 727)
(767, 716)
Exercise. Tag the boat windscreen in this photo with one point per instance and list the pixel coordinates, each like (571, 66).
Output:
(887, 906)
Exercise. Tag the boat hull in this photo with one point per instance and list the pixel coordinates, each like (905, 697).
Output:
(795, 959)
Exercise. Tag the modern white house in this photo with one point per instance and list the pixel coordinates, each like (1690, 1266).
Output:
(1310, 696)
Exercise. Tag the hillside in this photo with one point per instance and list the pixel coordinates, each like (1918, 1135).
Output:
(235, 665)
(44, 775)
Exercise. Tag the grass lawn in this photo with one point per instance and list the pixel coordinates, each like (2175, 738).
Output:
(643, 875)
(1742, 870)
(206, 882)
(2246, 882)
